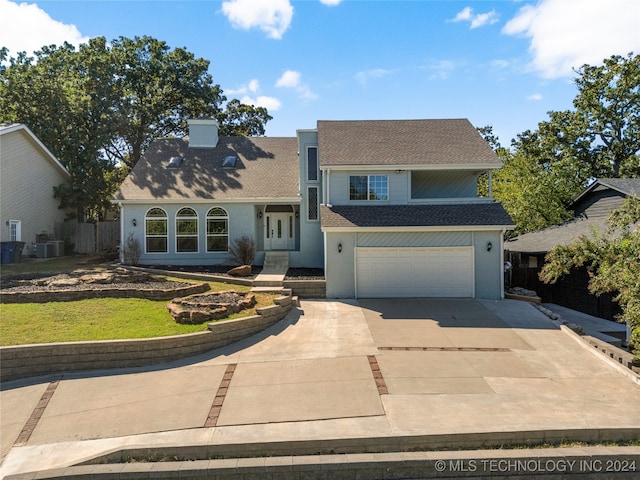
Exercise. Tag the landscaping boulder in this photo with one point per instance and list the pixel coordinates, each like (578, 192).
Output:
(241, 271)
(197, 309)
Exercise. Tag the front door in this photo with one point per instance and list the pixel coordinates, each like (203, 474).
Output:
(279, 231)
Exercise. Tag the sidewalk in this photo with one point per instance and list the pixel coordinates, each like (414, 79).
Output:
(462, 373)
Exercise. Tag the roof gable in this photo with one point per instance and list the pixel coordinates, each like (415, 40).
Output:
(627, 186)
(429, 143)
(21, 128)
(265, 168)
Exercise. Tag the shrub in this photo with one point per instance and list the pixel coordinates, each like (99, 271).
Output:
(243, 250)
(131, 250)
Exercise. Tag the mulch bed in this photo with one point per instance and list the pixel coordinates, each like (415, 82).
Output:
(221, 271)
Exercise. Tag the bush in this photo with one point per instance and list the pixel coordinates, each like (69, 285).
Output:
(131, 250)
(243, 250)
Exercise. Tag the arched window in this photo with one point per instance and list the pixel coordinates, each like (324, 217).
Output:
(186, 230)
(217, 230)
(155, 231)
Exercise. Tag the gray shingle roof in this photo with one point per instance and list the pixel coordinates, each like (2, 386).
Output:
(566, 233)
(403, 142)
(266, 168)
(563, 234)
(628, 186)
(471, 215)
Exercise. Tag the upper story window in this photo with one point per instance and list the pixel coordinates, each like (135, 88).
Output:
(217, 230)
(368, 187)
(186, 230)
(312, 206)
(155, 231)
(312, 164)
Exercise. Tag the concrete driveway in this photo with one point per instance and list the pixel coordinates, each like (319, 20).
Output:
(332, 370)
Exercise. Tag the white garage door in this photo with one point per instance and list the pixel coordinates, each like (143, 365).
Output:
(414, 272)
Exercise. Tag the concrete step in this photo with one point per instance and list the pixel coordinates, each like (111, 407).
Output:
(276, 262)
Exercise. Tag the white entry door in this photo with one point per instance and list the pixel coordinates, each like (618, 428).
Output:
(279, 231)
(415, 272)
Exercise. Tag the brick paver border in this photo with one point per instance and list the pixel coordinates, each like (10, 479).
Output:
(31, 424)
(216, 406)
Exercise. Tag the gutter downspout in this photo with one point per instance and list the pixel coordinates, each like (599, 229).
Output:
(121, 249)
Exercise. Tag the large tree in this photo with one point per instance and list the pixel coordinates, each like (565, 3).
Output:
(546, 168)
(613, 262)
(607, 112)
(99, 106)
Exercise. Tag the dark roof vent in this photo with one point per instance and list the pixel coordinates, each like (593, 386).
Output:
(175, 162)
(229, 161)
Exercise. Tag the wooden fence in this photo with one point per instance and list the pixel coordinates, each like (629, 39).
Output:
(91, 238)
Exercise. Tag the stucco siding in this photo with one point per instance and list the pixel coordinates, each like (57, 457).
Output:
(340, 266)
(27, 178)
(488, 265)
(311, 250)
(241, 220)
(339, 188)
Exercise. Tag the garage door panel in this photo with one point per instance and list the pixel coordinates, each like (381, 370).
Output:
(415, 272)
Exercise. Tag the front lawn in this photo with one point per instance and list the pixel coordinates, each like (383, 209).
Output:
(101, 319)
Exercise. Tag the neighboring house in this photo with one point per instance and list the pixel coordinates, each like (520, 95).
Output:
(387, 208)
(28, 173)
(592, 209)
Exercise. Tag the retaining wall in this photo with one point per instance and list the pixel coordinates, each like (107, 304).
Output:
(19, 362)
(307, 288)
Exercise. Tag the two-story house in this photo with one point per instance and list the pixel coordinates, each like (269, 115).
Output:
(387, 208)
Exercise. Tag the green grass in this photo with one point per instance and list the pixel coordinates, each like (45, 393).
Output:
(94, 319)
(97, 319)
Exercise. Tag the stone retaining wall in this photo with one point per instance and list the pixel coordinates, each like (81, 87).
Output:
(104, 292)
(25, 361)
(307, 288)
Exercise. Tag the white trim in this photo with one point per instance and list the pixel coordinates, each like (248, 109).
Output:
(441, 166)
(458, 228)
(176, 235)
(447, 200)
(18, 225)
(52, 157)
(192, 201)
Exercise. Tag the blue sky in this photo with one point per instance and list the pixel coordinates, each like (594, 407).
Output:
(503, 63)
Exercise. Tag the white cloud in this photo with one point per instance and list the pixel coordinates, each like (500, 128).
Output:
(292, 79)
(441, 69)
(26, 28)
(330, 3)
(364, 76)
(270, 103)
(566, 35)
(476, 20)
(289, 79)
(253, 86)
(271, 16)
(535, 97)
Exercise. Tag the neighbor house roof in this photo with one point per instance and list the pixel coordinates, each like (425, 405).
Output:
(396, 143)
(626, 186)
(582, 225)
(266, 167)
(458, 215)
(6, 129)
